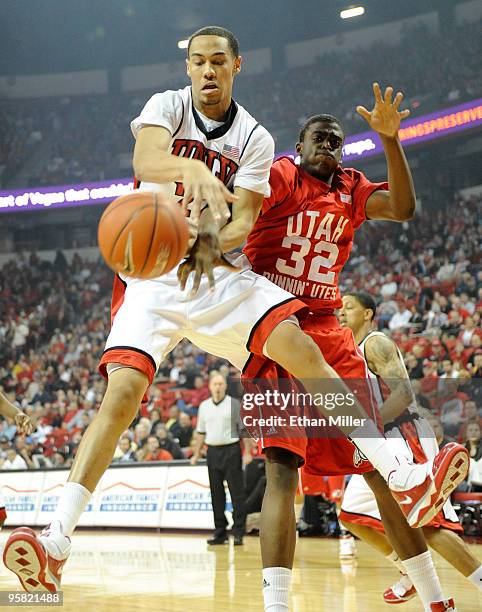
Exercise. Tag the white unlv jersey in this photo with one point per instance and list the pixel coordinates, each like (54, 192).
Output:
(239, 152)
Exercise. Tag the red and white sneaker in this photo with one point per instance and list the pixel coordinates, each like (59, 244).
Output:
(422, 489)
(401, 591)
(37, 560)
(447, 605)
(347, 547)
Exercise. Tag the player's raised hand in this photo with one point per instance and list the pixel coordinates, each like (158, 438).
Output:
(384, 117)
(205, 255)
(200, 186)
(23, 423)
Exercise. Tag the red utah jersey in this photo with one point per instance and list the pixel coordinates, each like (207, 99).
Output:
(304, 233)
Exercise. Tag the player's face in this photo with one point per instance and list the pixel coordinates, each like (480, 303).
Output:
(211, 66)
(352, 314)
(321, 149)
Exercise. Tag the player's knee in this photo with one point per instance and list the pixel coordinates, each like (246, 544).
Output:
(281, 470)
(431, 535)
(295, 351)
(125, 390)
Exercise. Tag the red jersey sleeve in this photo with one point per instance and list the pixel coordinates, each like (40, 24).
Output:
(361, 190)
(282, 181)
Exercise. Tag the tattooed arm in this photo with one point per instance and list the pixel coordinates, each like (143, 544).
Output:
(383, 359)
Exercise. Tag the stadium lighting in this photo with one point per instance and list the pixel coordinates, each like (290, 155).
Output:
(182, 44)
(353, 11)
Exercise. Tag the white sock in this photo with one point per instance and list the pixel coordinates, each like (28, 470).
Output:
(476, 577)
(395, 559)
(376, 448)
(276, 588)
(73, 501)
(421, 571)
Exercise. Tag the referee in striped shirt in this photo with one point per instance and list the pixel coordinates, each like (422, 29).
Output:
(218, 428)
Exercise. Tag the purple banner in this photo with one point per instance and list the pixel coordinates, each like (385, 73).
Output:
(63, 196)
(427, 127)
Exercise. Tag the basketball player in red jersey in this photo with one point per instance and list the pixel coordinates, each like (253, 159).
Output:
(402, 421)
(196, 143)
(301, 241)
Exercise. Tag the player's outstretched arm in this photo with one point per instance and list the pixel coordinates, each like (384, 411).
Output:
(398, 204)
(154, 164)
(383, 359)
(243, 217)
(22, 420)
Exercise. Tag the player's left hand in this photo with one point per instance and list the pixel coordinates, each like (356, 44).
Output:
(23, 423)
(384, 117)
(205, 255)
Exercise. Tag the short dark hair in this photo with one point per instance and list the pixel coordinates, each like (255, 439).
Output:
(319, 119)
(216, 31)
(366, 300)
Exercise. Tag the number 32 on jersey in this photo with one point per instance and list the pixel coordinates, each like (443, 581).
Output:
(323, 242)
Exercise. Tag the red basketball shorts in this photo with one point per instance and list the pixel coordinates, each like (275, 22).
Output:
(320, 452)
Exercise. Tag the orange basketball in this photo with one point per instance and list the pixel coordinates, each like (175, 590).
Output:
(143, 234)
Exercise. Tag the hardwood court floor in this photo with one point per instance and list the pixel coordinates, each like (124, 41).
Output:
(126, 571)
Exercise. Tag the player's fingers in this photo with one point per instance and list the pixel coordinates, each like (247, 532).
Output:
(196, 204)
(361, 110)
(197, 281)
(182, 274)
(229, 196)
(388, 95)
(398, 99)
(377, 92)
(186, 198)
(210, 275)
(405, 113)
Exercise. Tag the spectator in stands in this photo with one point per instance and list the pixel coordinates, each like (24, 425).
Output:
(468, 330)
(474, 441)
(438, 429)
(155, 452)
(125, 451)
(400, 319)
(417, 392)
(13, 460)
(4, 446)
(167, 442)
(141, 433)
(470, 414)
(182, 430)
(173, 417)
(414, 366)
(385, 311)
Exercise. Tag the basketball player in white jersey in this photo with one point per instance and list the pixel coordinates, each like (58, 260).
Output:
(402, 422)
(24, 427)
(198, 143)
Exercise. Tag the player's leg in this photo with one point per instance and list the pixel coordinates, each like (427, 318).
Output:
(141, 334)
(408, 543)
(278, 526)
(40, 567)
(428, 484)
(454, 550)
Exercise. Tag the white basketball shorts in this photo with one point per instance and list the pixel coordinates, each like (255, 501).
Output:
(149, 317)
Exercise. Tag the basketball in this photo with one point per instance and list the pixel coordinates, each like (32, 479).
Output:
(143, 234)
